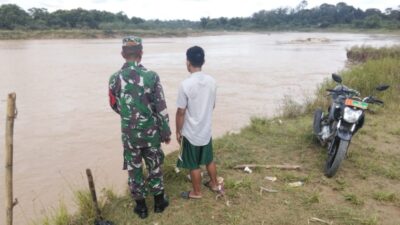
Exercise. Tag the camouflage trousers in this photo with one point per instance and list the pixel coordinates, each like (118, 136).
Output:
(138, 184)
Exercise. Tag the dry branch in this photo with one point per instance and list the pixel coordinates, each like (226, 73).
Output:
(282, 167)
(262, 189)
(315, 219)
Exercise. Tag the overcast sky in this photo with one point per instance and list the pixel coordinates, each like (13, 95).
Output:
(189, 9)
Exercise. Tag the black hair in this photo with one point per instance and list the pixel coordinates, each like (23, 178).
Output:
(195, 55)
(132, 51)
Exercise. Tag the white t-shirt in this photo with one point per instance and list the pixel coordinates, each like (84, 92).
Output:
(197, 95)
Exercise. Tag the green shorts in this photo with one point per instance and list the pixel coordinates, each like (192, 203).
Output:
(193, 156)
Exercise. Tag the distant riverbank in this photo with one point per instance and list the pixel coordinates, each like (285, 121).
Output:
(39, 23)
(105, 34)
(87, 34)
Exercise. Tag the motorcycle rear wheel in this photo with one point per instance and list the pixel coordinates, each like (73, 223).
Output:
(336, 156)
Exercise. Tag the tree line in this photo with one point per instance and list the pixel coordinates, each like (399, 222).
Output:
(14, 17)
(341, 15)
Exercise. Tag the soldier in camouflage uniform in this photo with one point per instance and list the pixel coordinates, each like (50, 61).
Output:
(136, 94)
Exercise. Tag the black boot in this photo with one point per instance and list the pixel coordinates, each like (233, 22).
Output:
(141, 208)
(160, 203)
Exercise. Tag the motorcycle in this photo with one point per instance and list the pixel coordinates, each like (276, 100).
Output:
(345, 117)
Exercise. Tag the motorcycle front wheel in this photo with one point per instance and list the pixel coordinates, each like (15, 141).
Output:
(337, 153)
(317, 121)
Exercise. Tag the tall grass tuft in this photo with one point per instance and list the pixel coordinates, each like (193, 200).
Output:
(361, 54)
(60, 216)
(87, 214)
(290, 108)
(365, 78)
(384, 196)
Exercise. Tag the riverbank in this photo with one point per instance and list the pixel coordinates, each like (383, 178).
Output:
(87, 34)
(366, 189)
(107, 34)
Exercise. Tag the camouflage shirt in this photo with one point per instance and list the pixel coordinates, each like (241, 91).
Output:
(137, 96)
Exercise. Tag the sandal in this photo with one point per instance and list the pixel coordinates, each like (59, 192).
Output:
(186, 195)
(213, 189)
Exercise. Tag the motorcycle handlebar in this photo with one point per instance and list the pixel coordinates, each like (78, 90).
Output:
(373, 100)
(370, 99)
(343, 91)
(377, 101)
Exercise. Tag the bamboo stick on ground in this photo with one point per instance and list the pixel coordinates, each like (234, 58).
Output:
(283, 167)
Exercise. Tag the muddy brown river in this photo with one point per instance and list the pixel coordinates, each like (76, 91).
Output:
(65, 125)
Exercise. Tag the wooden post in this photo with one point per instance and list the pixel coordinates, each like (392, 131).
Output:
(11, 113)
(93, 193)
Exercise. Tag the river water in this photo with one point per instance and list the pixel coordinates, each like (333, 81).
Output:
(65, 125)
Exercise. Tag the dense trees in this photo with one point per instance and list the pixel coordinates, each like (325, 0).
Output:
(324, 16)
(327, 15)
(12, 16)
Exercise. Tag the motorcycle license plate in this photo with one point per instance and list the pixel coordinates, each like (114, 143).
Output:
(355, 103)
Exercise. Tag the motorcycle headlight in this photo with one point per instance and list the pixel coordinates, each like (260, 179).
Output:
(351, 115)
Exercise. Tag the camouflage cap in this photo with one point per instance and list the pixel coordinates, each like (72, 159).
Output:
(131, 41)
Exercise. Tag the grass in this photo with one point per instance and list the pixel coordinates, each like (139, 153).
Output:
(290, 108)
(353, 199)
(60, 216)
(360, 54)
(385, 196)
(367, 180)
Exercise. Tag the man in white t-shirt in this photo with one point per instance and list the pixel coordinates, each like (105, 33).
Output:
(196, 101)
